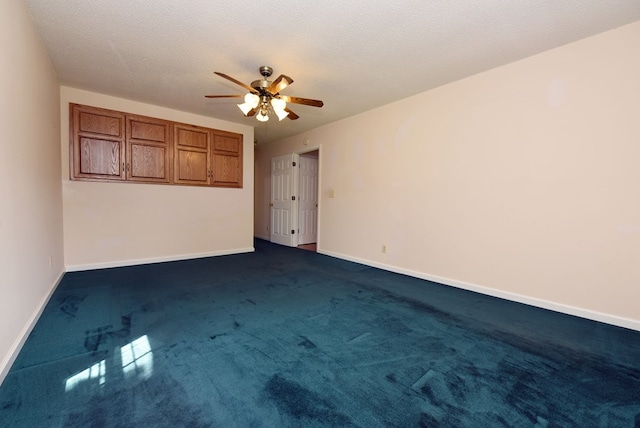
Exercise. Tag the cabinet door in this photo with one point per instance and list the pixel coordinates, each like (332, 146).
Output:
(191, 158)
(97, 143)
(226, 159)
(148, 150)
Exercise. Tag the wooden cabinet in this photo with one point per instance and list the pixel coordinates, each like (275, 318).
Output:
(148, 150)
(114, 146)
(226, 163)
(192, 155)
(98, 144)
(207, 157)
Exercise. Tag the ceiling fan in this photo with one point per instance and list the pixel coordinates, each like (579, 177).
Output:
(264, 96)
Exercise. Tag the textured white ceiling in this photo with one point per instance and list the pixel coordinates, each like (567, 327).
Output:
(354, 55)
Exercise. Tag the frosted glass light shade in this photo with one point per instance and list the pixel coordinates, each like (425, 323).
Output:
(262, 117)
(246, 108)
(250, 102)
(281, 114)
(278, 107)
(278, 104)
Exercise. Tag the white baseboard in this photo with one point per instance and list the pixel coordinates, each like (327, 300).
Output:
(122, 263)
(265, 238)
(11, 356)
(545, 304)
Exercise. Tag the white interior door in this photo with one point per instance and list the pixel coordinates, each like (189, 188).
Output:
(308, 201)
(284, 183)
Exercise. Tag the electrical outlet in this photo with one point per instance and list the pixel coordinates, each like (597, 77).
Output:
(384, 248)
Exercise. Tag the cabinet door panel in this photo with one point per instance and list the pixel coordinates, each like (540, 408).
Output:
(146, 131)
(147, 162)
(101, 157)
(96, 149)
(226, 171)
(192, 137)
(192, 155)
(227, 159)
(148, 149)
(226, 144)
(192, 167)
(97, 123)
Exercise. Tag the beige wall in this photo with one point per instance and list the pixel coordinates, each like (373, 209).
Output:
(30, 188)
(116, 224)
(521, 182)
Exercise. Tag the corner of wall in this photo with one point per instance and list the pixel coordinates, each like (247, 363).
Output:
(10, 357)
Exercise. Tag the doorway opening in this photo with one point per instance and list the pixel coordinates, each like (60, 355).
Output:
(309, 247)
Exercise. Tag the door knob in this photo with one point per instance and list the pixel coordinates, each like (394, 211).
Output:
(270, 204)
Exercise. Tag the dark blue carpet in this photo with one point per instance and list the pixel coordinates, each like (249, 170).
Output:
(289, 338)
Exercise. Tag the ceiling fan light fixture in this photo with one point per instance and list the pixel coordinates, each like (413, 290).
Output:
(250, 102)
(246, 108)
(262, 117)
(281, 114)
(278, 103)
(279, 106)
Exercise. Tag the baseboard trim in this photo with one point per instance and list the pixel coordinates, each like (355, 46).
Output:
(11, 356)
(122, 263)
(532, 301)
(264, 238)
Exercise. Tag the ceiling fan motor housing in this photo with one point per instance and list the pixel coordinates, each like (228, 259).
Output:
(262, 84)
(266, 71)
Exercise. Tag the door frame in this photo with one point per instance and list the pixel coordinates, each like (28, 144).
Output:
(300, 153)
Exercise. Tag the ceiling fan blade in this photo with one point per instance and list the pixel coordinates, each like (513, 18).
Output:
(291, 114)
(279, 84)
(237, 82)
(252, 112)
(224, 96)
(305, 101)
